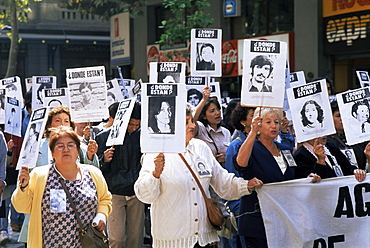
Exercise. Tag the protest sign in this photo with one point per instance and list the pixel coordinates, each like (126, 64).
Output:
(350, 155)
(13, 88)
(194, 88)
(2, 105)
(313, 116)
(167, 72)
(114, 92)
(87, 94)
(297, 78)
(163, 118)
(13, 116)
(40, 83)
(205, 52)
(121, 120)
(56, 97)
(332, 213)
(264, 64)
(354, 110)
(32, 139)
(363, 77)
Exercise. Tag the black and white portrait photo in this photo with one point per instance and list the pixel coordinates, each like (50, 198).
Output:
(202, 170)
(312, 115)
(161, 117)
(194, 96)
(360, 113)
(206, 57)
(261, 69)
(168, 77)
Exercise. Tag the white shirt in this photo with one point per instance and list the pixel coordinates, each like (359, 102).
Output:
(179, 217)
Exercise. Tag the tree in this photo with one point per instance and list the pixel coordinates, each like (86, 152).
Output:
(186, 15)
(10, 17)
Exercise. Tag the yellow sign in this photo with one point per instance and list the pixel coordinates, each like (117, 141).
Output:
(338, 7)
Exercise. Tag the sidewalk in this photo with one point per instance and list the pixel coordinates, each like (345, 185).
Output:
(13, 240)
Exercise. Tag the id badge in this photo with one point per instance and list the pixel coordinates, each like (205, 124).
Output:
(289, 158)
(58, 201)
(203, 171)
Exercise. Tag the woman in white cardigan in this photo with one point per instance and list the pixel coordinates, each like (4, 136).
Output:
(178, 211)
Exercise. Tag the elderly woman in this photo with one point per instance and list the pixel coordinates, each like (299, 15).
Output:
(261, 156)
(326, 160)
(179, 215)
(52, 219)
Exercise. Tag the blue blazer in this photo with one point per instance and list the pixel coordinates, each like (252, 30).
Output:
(263, 166)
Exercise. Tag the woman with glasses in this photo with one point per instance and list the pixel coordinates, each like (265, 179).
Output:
(52, 219)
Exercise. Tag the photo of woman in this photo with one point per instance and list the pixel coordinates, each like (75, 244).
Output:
(312, 115)
(206, 57)
(161, 115)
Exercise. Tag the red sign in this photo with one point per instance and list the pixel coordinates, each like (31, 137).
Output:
(230, 58)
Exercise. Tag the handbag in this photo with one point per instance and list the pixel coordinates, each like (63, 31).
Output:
(89, 236)
(231, 226)
(214, 212)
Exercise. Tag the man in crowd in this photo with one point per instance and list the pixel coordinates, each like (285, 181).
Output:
(121, 166)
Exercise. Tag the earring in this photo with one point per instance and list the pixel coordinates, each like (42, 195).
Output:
(244, 125)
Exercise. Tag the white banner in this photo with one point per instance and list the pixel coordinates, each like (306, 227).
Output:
(332, 213)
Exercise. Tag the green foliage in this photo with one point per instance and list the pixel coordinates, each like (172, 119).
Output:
(22, 8)
(185, 15)
(105, 8)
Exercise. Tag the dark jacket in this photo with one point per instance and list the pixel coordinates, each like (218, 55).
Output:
(306, 163)
(122, 172)
(263, 166)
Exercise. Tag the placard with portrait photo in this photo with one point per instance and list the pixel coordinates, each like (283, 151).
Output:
(264, 67)
(87, 94)
(354, 108)
(121, 120)
(13, 116)
(39, 83)
(32, 139)
(194, 88)
(205, 52)
(2, 105)
(350, 155)
(313, 117)
(13, 87)
(167, 72)
(114, 92)
(56, 97)
(363, 77)
(163, 118)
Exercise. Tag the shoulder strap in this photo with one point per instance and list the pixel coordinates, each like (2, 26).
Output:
(195, 177)
(61, 180)
(214, 143)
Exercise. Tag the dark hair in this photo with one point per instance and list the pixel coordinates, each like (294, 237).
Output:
(11, 86)
(62, 131)
(320, 113)
(84, 85)
(239, 114)
(334, 106)
(195, 92)
(328, 81)
(111, 95)
(260, 61)
(52, 113)
(55, 100)
(163, 75)
(28, 99)
(155, 104)
(12, 110)
(357, 104)
(113, 109)
(2, 102)
(206, 45)
(202, 115)
(136, 111)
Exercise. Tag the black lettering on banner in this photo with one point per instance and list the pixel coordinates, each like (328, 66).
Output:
(43, 80)
(307, 90)
(169, 67)
(320, 243)
(8, 80)
(38, 114)
(362, 209)
(109, 85)
(13, 101)
(265, 46)
(161, 90)
(195, 80)
(54, 92)
(355, 95)
(344, 197)
(2, 91)
(206, 33)
(125, 104)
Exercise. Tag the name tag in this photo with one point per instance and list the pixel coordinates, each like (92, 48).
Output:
(58, 201)
(289, 158)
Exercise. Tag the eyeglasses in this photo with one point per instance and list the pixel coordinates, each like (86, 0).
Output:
(61, 147)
